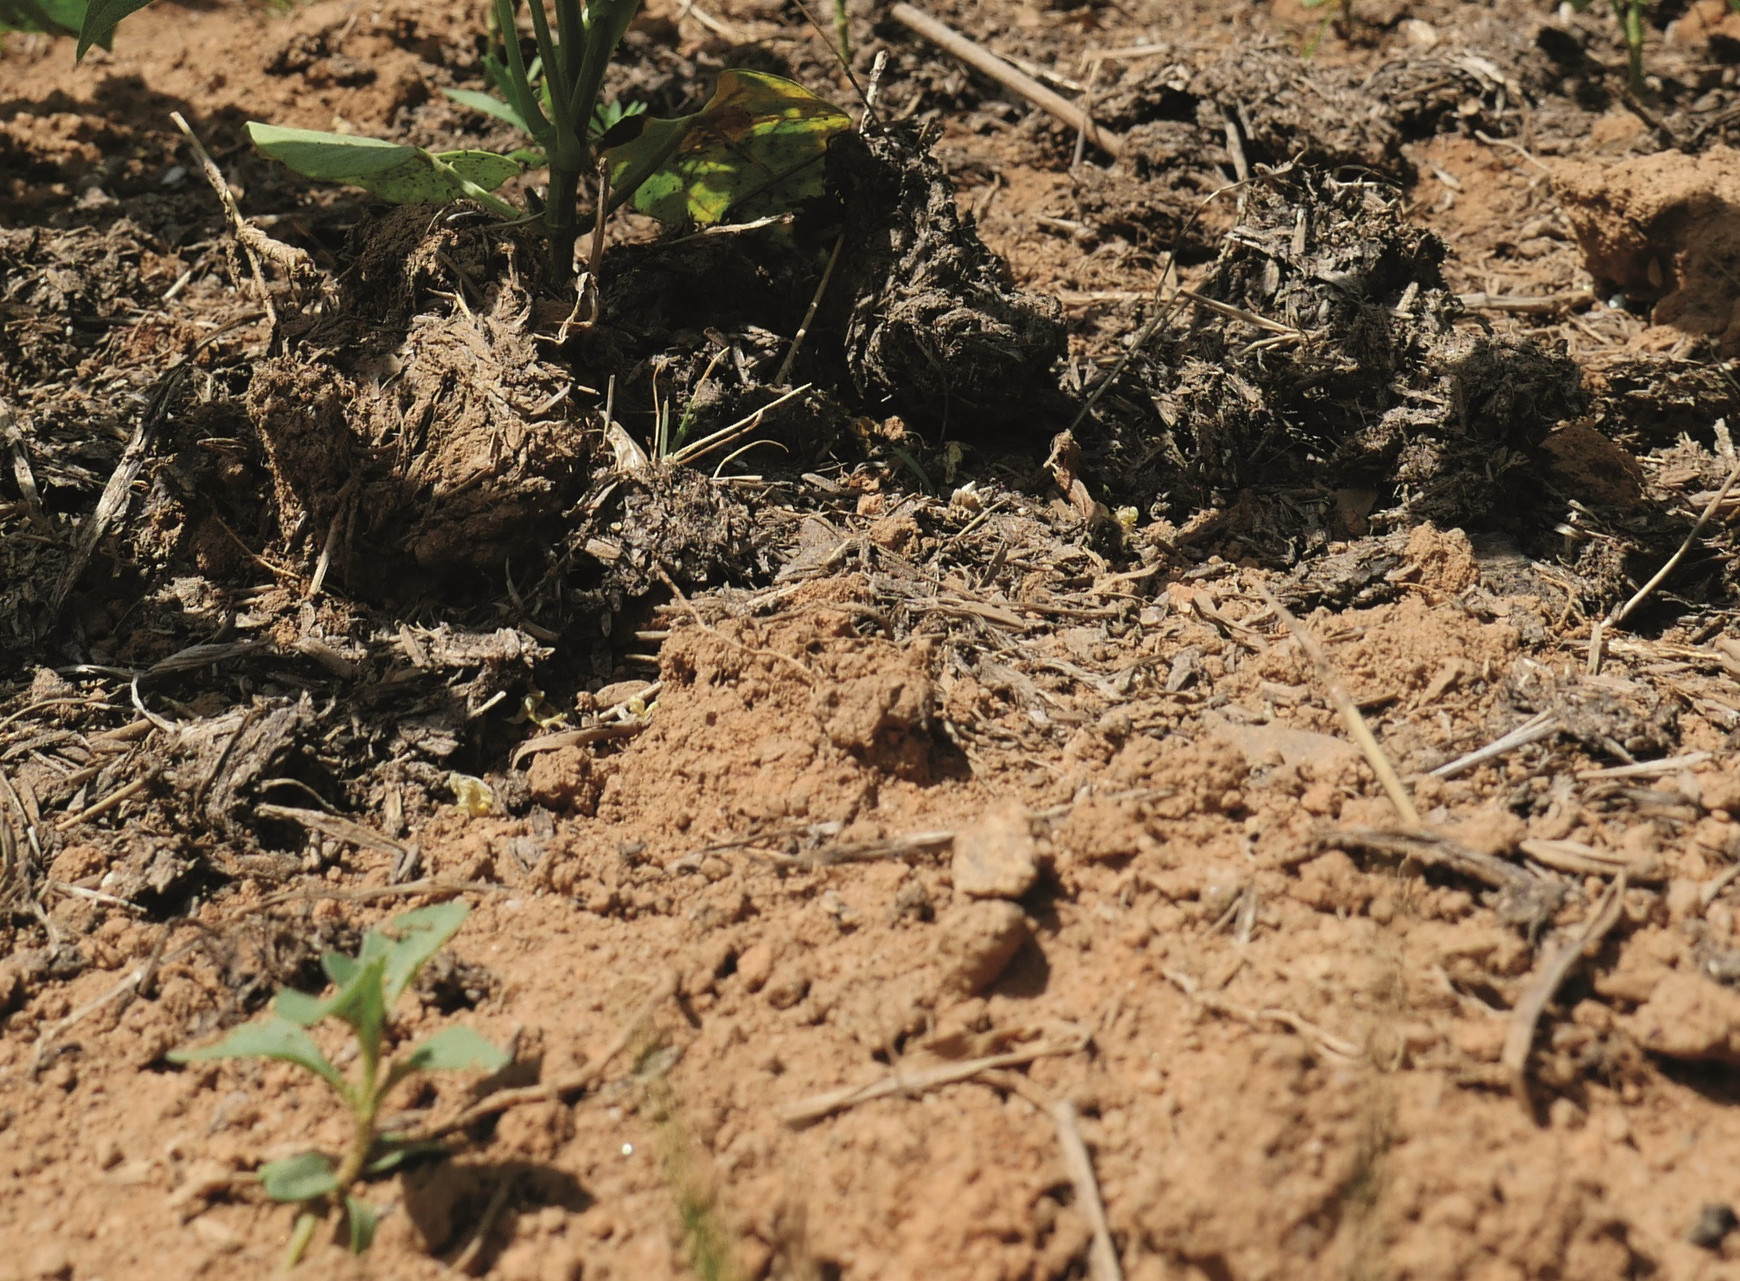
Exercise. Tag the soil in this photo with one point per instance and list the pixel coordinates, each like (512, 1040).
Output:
(954, 734)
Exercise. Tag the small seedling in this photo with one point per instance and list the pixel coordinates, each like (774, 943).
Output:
(757, 144)
(368, 985)
(1629, 15)
(1336, 11)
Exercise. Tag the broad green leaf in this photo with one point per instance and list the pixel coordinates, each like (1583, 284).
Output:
(487, 169)
(101, 19)
(490, 105)
(360, 1215)
(52, 17)
(457, 1049)
(755, 148)
(393, 171)
(276, 1038)
(417, 936)
(298, 1178)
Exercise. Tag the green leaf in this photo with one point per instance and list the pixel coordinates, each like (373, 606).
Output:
(340, 968)
(52, 17)
(490, 105)
(417, 936)
(755, 148)
(396, 1154)
(299, 1178)
(300, 1008)
(101, 19)
(276, 1038)
(395, 172)
(360, 1215)
(457, 1049)
(359, 1004)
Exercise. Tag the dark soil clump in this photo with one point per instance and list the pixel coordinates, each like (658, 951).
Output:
(934, 329)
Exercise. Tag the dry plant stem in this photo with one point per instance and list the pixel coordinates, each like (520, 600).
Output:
(1541, 725)
(1521, 1035)
(502, 1100)
(339, 829)
(1344, 704)
(1624, 611)
(1433, 850)
(817, 1106)
(1528, 304)
(1102, 1255)
(1326, 1041)
(464, 1260)
(982, 59)
(803, 330)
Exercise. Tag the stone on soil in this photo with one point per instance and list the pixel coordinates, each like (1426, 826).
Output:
(978, 942)
(995, 857)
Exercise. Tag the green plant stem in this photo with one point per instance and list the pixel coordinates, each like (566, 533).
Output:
(1632, 19)
(562, 220)
(300, 1236)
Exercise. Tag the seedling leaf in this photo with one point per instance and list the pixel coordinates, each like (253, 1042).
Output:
(341, 969)
(755, 148)
(418, 936)
(359, 1004)
(300, 1008)
(101, 19)
(456, 1049)
(490, 105)
(362, 1217)
(396, 1154)
(276, 1038)
(397, 173)
(298, 1178)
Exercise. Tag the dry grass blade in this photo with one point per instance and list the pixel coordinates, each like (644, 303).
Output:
(817, 1106)
(339, 829)
(1103, 1254)
(1625, 610)
(1546, 982)
(1344, 704)
(1539, 726)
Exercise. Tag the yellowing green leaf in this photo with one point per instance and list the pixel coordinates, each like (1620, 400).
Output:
(395, 172)
(755, 148)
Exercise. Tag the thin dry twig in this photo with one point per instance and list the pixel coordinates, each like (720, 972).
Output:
(577, 738)
(1102, 1255)
(474, 1248)
(339, 829)
(502, 1100)
(1539, 726)
(1624, 611)
(1432, 850)
(982, 59)
(817, 1106)
(1514, 1061)
(803, 330)
(1528, 304)
(1344, 704)
(1325, 1040)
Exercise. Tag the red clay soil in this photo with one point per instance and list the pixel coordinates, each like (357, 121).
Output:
(1135, 862)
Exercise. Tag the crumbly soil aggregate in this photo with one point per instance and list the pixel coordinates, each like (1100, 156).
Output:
(949, 724)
